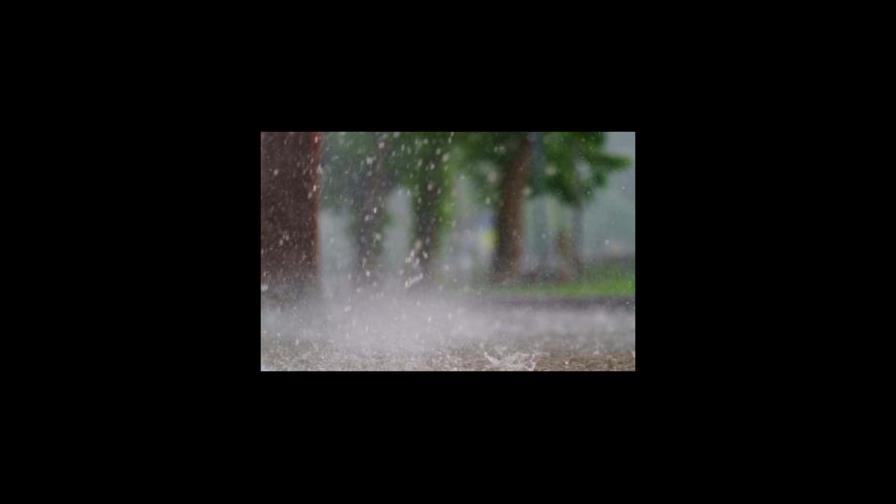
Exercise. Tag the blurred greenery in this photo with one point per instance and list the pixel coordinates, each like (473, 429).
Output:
(573, 184)
(598, 280)
(362, 170)
(577, 164)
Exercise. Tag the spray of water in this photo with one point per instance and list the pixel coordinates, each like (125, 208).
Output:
(429, 331)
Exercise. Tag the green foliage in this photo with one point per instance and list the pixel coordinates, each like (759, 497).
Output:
(483, 156)
(425, 163)
(346, 159)
(576, 164)
(417, 161)
(423, 167)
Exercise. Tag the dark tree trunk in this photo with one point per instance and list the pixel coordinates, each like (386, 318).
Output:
(370, 217)
(290, 206)
(509, 219)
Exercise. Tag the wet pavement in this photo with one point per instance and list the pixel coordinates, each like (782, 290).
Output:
(436, 334)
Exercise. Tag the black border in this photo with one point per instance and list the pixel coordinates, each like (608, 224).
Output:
(214, 230)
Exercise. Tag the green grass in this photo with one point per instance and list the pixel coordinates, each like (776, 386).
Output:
(606, 280)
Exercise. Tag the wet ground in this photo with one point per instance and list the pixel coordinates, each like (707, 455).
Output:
(451, 335)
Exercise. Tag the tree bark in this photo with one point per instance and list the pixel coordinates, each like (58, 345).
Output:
(290, 207)
(509, 219)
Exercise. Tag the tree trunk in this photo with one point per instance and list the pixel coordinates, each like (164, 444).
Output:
(370, 217)
(290, 207)
(509, 219)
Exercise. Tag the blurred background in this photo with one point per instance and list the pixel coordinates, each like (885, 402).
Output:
(405, 208)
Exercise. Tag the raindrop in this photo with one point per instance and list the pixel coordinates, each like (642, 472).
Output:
(413, 280)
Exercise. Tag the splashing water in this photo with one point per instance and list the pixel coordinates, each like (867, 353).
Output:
(419, 332)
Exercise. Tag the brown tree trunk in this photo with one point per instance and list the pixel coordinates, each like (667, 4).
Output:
(370, 217)
(290, 207)
(509, 219)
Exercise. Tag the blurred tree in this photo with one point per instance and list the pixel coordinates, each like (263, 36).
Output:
(364, 168)
(359, 179)
(577, 167)
(509, 219)
(420, 159)
(499, 165)
(290, 203)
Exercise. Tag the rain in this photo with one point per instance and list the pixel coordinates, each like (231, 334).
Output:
(447, 251)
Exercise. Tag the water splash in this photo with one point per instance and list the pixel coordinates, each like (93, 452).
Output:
(420, 332)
